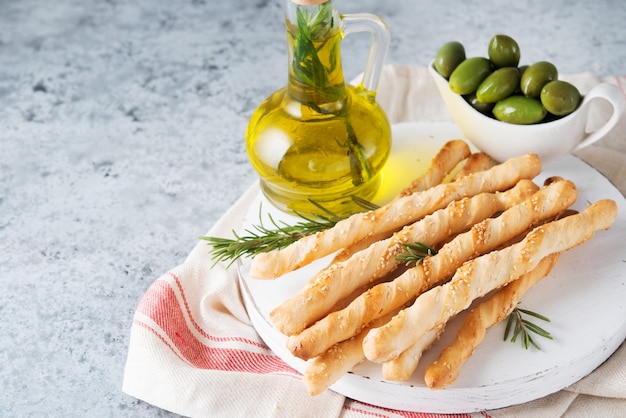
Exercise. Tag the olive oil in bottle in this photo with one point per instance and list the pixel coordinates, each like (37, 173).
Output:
(318, 141)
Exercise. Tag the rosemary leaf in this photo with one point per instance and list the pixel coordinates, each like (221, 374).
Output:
(526, 339)
(414, 253)
(509, 324)
(517, 331)
(534, 344)
(535, 314)
(536, 329)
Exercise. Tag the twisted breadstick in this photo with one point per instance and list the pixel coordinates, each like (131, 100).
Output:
(379, 259)
(478, 161)
(451, 154)
(330, 366)
(445, 370)
(346, 253)
(392, 216)
(403, 367)
(380, 299)
(482, 275)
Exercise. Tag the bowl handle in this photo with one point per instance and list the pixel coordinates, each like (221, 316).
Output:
(612, 94)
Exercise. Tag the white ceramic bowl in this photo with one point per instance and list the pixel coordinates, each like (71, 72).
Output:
(549, 140)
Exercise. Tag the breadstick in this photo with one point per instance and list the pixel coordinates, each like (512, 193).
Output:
(379, 259)
(330, 366)
(451, 154)
(478, 161)
(380, 299)
(482, 275)
(392, 216)
(403, 367)
(346, 253)
(445, 370)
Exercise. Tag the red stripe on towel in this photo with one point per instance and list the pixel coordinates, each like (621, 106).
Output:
(380, 412)
(200, 330)
(161, 304)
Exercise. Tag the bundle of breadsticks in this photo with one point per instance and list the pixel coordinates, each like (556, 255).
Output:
(496, 233)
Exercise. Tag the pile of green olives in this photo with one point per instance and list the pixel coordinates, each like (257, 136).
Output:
(498, 86)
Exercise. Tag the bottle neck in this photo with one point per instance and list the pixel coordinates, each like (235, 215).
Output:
(314, 35)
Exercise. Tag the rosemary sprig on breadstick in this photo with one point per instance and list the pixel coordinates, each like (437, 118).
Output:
(414, 253)
(261, 238)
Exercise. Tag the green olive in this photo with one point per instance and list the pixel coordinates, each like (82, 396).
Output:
(482, 107)
(536, 76)
(560, 97)
(498, 85)
(448, 57)
(520, 110)
(504, 51)
(468, 75)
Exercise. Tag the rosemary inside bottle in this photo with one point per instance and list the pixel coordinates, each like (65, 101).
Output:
(316, 75)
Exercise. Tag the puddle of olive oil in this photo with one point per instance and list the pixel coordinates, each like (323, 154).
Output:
(407, 162)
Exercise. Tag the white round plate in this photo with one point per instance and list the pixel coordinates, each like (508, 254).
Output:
(584, 296)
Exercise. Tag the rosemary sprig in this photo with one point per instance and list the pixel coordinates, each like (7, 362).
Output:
(314, 30)
(414, 253)
(523, 328)
(262, 239)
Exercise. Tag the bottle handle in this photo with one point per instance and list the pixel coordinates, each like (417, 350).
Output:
(366, 22)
